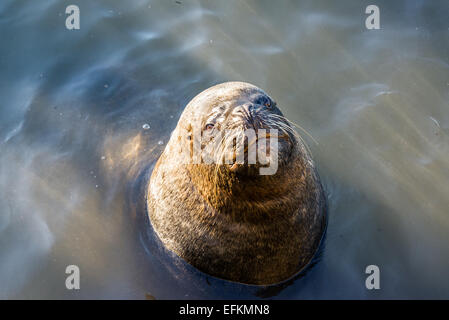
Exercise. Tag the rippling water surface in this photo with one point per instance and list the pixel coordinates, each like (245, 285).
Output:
(74, 145)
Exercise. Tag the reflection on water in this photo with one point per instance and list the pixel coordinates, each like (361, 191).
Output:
(74, 150)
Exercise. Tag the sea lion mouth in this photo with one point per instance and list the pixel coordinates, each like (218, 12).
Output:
(257, 143)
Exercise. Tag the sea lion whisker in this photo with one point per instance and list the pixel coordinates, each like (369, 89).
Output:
(298, 126)
(292, 131)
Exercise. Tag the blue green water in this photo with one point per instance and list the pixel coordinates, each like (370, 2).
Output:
(73, 104)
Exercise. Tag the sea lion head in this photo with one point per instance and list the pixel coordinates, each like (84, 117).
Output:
(236, 143)
(238, 127)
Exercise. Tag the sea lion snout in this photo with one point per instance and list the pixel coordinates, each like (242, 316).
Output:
(258, 129)
(245, 114)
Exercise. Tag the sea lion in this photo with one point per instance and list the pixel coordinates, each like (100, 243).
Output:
(224, 217)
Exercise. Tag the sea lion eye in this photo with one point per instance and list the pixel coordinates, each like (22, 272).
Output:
(264, 101)
(209, 126)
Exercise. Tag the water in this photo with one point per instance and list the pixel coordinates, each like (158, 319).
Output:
(75, 144)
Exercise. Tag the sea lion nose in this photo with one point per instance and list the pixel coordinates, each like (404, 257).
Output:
(247, 112)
